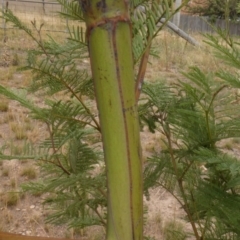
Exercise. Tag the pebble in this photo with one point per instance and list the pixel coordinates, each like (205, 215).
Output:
(28, 232)
(32, 206)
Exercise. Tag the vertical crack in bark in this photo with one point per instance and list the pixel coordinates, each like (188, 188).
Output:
(114, 25)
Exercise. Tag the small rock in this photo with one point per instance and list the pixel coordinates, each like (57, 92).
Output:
(32, 206)
(28, 232)
(18, 209)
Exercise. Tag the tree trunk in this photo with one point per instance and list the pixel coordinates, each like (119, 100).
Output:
(110, 50)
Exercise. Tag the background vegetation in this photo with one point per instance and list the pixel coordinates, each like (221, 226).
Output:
(215, 8)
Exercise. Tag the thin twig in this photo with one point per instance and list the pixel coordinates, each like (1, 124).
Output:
(100, 217)
(55, 151)
(180, 183)
(74, 94)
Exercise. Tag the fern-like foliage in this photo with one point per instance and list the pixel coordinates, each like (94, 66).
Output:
(148, 19)
(193, 115)
(71, 10)
(72, 170)
(80, 192)
(146, 16)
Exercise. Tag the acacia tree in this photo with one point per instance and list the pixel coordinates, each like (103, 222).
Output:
(119, 34)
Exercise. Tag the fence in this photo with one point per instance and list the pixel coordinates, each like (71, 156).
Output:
(197, 24)
(43, 11)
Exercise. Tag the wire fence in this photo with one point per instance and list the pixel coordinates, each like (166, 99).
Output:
(42, 11)
(198, 24)
(46, 12)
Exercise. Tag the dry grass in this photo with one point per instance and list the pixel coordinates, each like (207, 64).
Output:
(5, 172)
(174, 230)
(3, 104)
(13, 182)
(19, 130)
(16, 149)
(29, 172)
(11, 199)
(176, 55)
(7, 74)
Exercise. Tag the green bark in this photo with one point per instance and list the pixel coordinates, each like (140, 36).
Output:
(110, 49)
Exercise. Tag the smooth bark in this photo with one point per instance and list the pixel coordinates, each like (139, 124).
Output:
(110, 49)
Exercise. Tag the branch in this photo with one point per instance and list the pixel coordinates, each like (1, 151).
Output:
(55, 151)
(179, 32)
